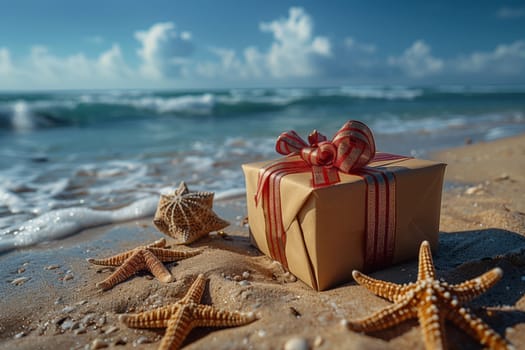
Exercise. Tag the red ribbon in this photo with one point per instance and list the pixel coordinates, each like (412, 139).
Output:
(350, 150)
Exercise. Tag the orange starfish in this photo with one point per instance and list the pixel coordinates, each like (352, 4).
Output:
(184, 315)
(150, 257)
(432, 302)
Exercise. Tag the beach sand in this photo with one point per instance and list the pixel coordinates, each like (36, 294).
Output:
(482, 224)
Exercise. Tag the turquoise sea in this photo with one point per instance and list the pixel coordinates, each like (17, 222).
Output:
(71, 160)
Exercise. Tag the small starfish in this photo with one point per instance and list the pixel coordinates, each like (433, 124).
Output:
(432, 302)
(187, 214)
(150, 257)
(184, 315)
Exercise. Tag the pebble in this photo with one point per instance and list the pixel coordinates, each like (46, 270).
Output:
(67, 309)
(88, 319)
(245, 275)
(343, 323)
(68, 324)
(120, 341)
(51, 267)
(237, 278)
(318, 341)
(111, 330)
(20, 335)
(244, 283)
(98, 344)
(101, 321)
(21, 270)
(80, 330)
(261, 333)
(289, 277)
(82, 302)
(141, 340)
(296, 343)
(68, 276)
(473, 190)
(20, 280)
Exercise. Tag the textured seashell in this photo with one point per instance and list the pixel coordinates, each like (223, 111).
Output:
(187, 215)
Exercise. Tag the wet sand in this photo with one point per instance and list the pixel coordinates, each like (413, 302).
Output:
(56, 304)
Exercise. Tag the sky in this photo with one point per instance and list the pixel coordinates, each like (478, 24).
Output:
(64, 44)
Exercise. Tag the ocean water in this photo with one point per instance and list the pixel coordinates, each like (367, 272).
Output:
(72, 160)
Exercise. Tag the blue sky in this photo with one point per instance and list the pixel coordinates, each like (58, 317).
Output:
(243, 43)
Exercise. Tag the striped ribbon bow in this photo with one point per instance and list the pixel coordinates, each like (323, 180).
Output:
(352, 148)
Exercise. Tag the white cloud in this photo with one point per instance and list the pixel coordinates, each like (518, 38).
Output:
(6, 66)
(505, 59)
(294, 52)
(417, 61)
(511, 12)
(163, 50)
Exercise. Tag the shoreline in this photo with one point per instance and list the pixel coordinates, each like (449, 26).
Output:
(482, 225)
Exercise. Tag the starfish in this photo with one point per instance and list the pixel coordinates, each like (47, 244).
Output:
(184, 315)
(432, 302)
(187, 214)
(150, 257)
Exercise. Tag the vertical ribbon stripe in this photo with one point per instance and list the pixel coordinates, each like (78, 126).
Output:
(380, 217)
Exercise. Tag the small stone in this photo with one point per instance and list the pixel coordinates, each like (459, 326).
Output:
(20, 280)
(98, 344)
(20, 335)
(289, 277)
(67, 309)
(68, 276)
(474, 190)
(318, 341)
(51, 267)
(88, 319)
(82, 302)
(80, 330)
(101, 321)
(296, 343)
(120, 341)
(21, 270)
(68, 324)
(111, 330)
(245, 275)
(261, 333)
(237, 278)
(141, 340)
(244, 283)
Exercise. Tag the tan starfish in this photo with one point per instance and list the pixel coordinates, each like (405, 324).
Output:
(150, 257)
(184, 315)
(187, 215)
(432, 302)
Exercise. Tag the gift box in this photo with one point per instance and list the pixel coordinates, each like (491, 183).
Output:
(330, 207)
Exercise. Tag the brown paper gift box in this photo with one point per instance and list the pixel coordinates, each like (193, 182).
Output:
(325, 227)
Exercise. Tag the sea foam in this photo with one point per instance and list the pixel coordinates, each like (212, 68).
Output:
(60, 223)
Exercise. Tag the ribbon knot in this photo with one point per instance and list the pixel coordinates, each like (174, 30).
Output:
(351, 148)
